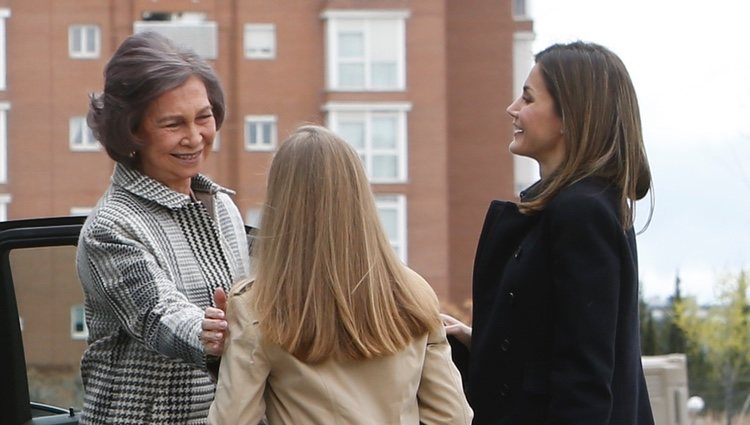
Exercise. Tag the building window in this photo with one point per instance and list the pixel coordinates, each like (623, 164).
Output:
(4, 201)
(366, 50)
(260, 132)
(81, 137)
(519, 9)
(4, 106)
(392, 212)
(4, 14)
(84, 41)
(260, 41)
(378, 133)
(78, 328)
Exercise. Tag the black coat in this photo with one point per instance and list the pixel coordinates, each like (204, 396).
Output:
(555, 316)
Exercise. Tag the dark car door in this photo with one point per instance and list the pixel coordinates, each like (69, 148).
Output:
(41, 322)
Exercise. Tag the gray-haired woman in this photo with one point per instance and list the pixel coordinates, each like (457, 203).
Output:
(160, 241)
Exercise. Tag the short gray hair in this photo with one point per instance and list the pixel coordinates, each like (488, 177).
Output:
(145, 66)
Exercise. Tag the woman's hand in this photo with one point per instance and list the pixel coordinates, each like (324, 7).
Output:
(457, 328)
(214, 325)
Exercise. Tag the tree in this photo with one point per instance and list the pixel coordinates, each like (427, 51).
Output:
(721, 335)
(649, 339)
(676, 337)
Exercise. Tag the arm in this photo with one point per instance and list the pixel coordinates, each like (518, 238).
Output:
(440, 394)
(585, 269)
(121, 273)
(243, 373)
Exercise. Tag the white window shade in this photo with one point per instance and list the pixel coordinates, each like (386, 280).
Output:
(260, 41)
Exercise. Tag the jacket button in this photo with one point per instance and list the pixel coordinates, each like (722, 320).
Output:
(505, 345)
(517, 254)
(511, 297)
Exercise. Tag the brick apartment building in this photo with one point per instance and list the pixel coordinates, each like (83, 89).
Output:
(419, 87)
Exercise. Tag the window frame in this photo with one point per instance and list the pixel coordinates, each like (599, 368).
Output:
(86, 145)
(523, 14)
(336, 110)
(4, 108)
(4, 14)
(83, 53)
(257, 28)
(5, 199)
(334, 20)
(397, 202)
(260, 119)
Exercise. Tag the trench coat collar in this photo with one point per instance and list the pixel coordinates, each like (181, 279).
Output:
(147, 188)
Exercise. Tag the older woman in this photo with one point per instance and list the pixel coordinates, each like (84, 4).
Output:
(161, 239)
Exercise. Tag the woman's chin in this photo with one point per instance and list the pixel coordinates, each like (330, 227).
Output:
(516, 148)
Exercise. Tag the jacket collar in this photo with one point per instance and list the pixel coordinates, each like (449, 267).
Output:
(531, 191)
(147, 188)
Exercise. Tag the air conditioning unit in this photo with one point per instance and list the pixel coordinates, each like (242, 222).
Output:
(200, 36)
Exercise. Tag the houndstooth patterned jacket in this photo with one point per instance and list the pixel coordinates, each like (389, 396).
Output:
(149, 259)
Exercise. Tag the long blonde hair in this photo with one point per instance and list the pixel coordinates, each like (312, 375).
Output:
(328, 282)
(596, 101)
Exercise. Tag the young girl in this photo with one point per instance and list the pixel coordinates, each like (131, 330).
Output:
(334, 329)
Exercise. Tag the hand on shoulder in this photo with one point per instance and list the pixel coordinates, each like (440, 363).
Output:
(457, 328)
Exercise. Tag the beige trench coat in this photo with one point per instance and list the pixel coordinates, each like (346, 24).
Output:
(418, 384)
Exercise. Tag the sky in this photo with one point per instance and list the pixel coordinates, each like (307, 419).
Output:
(690, 64)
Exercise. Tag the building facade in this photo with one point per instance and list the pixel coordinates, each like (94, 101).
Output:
(419, 87)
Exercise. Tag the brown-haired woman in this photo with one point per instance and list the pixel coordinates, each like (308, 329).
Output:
(555, 336)
(334, 329)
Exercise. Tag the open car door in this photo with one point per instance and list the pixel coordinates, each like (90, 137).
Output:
(42, 326)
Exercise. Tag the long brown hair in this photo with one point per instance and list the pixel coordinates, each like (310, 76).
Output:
(596, 101)
(328, 282)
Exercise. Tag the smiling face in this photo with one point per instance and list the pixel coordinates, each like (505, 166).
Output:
(537, 128)
(177, 131)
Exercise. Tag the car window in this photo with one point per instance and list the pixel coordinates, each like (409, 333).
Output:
(50, 306)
